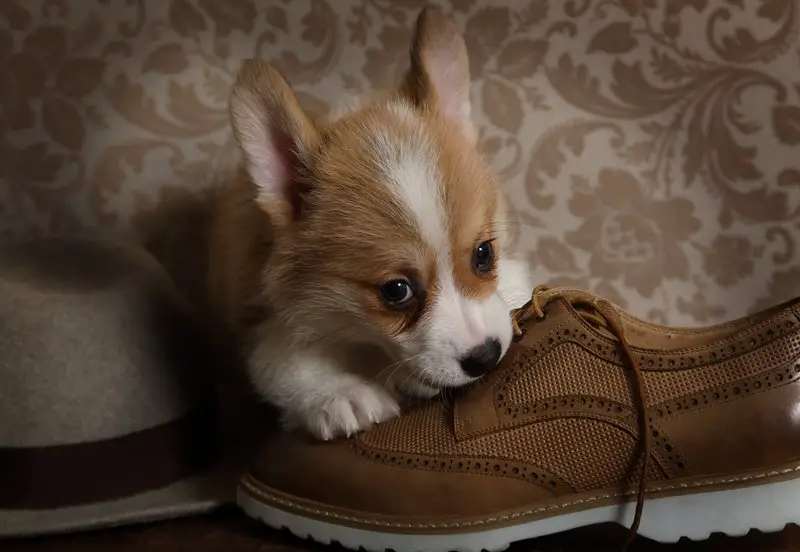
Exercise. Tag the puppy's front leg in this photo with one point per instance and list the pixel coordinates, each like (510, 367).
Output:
(315, 393)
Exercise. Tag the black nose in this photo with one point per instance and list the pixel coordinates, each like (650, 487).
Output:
(482, 358)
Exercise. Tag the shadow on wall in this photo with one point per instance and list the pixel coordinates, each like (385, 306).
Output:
(176, 233)
(114, 119)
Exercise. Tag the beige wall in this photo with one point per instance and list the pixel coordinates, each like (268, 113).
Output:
(650, 147)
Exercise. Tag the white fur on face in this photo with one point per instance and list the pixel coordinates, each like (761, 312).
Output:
(514, 282)
(412, 176)
(454, 324)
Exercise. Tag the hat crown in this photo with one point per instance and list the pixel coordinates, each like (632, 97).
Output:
(95, 343)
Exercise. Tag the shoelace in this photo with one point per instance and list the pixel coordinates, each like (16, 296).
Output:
(603, 313)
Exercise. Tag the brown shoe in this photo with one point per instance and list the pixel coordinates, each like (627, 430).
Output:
(553, 439)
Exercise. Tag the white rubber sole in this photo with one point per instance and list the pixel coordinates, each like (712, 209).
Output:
(768, 508)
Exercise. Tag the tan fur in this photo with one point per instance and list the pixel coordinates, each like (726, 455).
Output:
(240, 244)
(298, 269)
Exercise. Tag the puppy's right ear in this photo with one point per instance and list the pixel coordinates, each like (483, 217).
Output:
(438, 76)
(277, 139)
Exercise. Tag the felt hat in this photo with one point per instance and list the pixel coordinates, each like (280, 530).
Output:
(108, 412)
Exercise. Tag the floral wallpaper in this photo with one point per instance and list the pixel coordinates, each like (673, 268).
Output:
(650, 147)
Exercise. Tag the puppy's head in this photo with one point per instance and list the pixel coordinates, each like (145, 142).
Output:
(389, 225)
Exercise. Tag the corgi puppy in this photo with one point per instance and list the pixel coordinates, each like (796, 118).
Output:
(365, 258)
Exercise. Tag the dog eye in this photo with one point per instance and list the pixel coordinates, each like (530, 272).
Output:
(396, 293)
(483, 258)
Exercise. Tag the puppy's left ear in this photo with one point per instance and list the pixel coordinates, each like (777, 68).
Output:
(438, 77)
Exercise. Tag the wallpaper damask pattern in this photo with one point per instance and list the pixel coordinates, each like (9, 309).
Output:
(649, 147)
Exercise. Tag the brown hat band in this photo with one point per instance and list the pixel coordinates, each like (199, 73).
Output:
(75, 474)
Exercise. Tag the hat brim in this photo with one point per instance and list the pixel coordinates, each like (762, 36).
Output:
(194, 495)
(247, 422)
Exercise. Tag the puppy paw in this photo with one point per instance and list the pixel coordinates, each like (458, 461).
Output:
(344, 411)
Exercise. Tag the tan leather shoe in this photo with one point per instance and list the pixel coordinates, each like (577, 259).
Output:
(553, 439)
